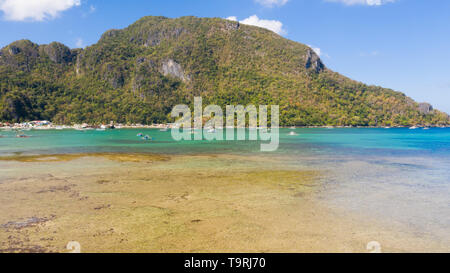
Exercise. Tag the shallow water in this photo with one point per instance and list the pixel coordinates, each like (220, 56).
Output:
(398, 176)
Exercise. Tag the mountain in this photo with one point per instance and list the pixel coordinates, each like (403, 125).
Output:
(137, 74)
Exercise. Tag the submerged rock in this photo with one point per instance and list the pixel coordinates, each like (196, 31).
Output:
(27, 222)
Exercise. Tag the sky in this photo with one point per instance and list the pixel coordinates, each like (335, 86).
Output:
(398, 44)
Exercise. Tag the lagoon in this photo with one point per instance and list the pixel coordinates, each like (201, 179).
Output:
(322, 189)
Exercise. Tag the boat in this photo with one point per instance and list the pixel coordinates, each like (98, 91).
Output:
(387, 127)
(101, 129)
(147, 137)
(413, 128)
(293, 134)
(426, 128)
(140, 135)
(211, 131)
(164, 129)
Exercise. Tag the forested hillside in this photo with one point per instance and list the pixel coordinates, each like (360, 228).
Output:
(137, 74)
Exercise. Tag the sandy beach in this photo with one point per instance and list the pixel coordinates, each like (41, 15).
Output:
(155, 203)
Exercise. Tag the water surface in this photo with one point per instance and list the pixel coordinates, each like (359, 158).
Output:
(398, 176)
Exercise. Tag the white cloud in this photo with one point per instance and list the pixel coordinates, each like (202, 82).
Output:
(35, 10)
(316, 49)
(273, 25)
(363, 2)
(91, 10)
(271, 3)
(79, 43)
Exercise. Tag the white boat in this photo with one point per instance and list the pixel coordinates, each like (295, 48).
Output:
(413, 128)
(211, 131)
(387, 127)
(426, 128)
(293, 134)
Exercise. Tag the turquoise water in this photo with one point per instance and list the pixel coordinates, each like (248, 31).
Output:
(396, 175)
(398, 141)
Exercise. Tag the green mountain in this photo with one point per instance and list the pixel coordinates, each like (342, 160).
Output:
(137, 74)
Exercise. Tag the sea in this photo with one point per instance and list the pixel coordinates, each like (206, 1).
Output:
(396, 175)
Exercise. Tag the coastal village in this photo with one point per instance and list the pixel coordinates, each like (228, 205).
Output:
(47, 125)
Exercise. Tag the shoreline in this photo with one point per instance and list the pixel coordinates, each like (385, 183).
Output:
(21, 127)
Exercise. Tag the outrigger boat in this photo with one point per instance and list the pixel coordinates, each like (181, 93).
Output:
(147, 137)
(21, 135)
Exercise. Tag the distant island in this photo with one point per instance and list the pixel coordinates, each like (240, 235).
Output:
(136, 75)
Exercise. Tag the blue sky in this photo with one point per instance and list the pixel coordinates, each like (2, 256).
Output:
(399, 44)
